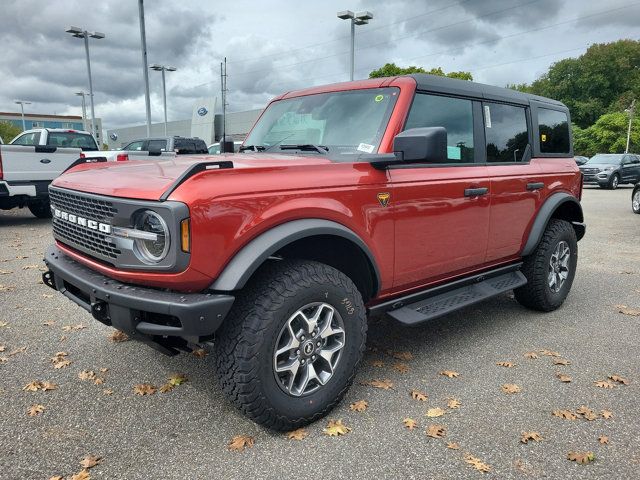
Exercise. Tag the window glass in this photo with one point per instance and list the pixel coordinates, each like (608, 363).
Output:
(134, 146)
(506, 132)
(32, 138)
(157, 145)
(454, 114)
(554, 131)
(214, 149)
(72, 140)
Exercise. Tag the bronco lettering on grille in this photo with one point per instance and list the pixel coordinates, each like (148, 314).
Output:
(83, 222)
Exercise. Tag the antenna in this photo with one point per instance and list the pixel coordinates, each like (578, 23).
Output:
(223, 88)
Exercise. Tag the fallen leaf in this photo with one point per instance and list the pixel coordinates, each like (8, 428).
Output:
(619, 379)
(401, 367)
(506, 364)
(177, 379)
(359, 406)
(48, 323)
(454, 403)
(104, 370)
(477, 463)
(46, 386)
(60, 360)
(2, 348)
(198, 352)
(604, 384)
(531, 355)
(5, 272)
(299, 434)
(167, 387)
(606, 414)
(6, 288)
(81, 475)
(56, 477)
(603, 439)
(549, 353)
(533, 436)
(628, 311)
(87, 375)
(418, 395)
(435, 412)
(144, 389)
(511, 388)
(4, 324)
(377, 363)
(118, 337)
(450, 374)
(586, 413)
(47, 295)
(336, 428)
(566, 414)
(561, 361)
(406, 356)
(107, 391)
(16, 351)
(410, 423)
(581, 457)
(28, 267)
(98, 381)
(563, 378)
(90, 461)
(240, 442)
(383, 384)
(453, 446)
(436, 431)
(35, 410)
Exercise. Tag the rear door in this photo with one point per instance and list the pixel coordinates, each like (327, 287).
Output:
(441, 210)
(629, 169)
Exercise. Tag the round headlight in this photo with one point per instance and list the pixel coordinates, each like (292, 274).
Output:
(156, 247)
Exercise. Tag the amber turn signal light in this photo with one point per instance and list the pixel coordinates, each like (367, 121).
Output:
(185, 235)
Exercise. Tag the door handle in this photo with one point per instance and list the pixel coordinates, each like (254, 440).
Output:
(45, 160)
(535, 186)
(475, 192)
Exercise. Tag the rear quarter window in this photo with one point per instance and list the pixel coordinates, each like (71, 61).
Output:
(553, 126)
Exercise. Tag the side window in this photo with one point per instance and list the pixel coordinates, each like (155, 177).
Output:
(157, 145)
(29, 139)
(506, 132)
(554, 131)
(134, 146)
(454, 114)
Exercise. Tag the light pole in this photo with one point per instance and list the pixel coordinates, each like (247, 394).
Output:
(80, 33)
(630, 111)
(145, 68)
(360, 18)
(163, 68)
(22, 103)
(84, 110)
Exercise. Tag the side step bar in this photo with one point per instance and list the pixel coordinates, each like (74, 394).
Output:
(452, 300)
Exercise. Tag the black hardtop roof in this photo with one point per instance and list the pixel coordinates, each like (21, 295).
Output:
(455, 86)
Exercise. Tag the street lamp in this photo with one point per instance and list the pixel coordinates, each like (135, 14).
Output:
(630, 111)
(22, 103)
(84, 109)
(163, 68)
(80, 33)
(360, 18)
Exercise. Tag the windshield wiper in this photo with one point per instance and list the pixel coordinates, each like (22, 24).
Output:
(255, 148)
(306, 146)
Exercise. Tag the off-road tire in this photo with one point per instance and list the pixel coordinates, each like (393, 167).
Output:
(536, 294)
(40, 209)
(245, 343)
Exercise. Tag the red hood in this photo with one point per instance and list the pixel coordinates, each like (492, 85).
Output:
(148, 180)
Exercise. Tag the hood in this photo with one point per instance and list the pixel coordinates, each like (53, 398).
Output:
(150, 180)
(599, 166)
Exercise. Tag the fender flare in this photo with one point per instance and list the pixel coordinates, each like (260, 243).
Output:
(249, 258)
(544, 215)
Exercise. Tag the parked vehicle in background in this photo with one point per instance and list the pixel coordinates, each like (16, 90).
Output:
(214, 148)
(32, 160)
(635, 199)
(608, 170)
(412, 196)
(580, 160)
(156, 148)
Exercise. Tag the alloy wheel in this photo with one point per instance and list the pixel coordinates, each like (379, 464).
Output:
(559, 266)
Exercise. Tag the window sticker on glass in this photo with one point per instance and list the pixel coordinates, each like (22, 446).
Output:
(487, 116)
(379, 98)
(365, 147)
(543, 137)
(454, 153)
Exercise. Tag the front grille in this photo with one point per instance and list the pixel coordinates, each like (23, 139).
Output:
(96, 242)
(81, 205)
(590, 171)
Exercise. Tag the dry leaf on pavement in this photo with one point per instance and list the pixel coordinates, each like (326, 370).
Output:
(336, 428)
(628, 311)
(603, 439)
(406, 356)
(563, 378)
(418, 395)
(581, 457)
(118, 337)
(477, 463)
(453, 446)
(506, 364)
(410, 423)
(619, 379)
(90, 461)
(35, 410)
(240, 442)
(533, 436)
(604, 384)
(435, 412)
(383, 384)
(299, 434)
(199, 352)
(107, 391)
(436, 431)
(586, 413)
(359, 406)
(566, 414)
(549, 353)
(144, 389)
(607, 414)
(511, 388)
(561, 361)
(531, 355)
(81, 475)
(87, 375)
(450, 374)
(454, 403)
(401, 367)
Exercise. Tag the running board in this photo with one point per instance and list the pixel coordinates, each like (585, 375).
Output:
(452, 300)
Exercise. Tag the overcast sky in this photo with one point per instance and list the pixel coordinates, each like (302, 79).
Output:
(274, 46)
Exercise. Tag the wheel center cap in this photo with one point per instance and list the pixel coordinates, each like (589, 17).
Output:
(308, 348)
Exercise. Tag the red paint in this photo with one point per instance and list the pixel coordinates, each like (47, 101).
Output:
(429, 232)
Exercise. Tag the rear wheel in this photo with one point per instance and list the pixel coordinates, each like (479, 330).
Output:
(289, 349)
(40, 209)
(550, 269)
(635, 201)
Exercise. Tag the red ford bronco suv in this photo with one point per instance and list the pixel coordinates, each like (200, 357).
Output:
(415, 196)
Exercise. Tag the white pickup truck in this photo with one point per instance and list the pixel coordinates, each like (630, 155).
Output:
(155, 148)
(33, 159)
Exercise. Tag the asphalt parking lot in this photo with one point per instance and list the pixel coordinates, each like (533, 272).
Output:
(184, 433)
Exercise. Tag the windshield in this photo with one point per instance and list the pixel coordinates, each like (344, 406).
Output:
(72, 140)
(611, 158)
(345, 122)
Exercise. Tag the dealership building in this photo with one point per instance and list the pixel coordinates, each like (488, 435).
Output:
(205, 123)
(36, 120)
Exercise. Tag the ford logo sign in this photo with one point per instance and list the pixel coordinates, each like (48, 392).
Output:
(113, 136)
(202, 111)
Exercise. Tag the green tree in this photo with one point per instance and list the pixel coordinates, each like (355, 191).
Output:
(607, 135)
(392, 70)
(8, 131)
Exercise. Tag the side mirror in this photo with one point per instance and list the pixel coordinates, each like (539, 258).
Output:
(426, 144)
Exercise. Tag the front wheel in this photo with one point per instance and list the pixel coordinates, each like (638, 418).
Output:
(550, 269)
(290, 348)
(635, 201)
(614, 182)
(40, 209)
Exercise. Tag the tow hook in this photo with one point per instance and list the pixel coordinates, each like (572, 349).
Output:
(100, 311)
(48, 280)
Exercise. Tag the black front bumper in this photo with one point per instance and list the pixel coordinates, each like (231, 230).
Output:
(165, 320)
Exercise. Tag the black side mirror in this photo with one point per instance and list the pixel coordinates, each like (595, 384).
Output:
(426, 144)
